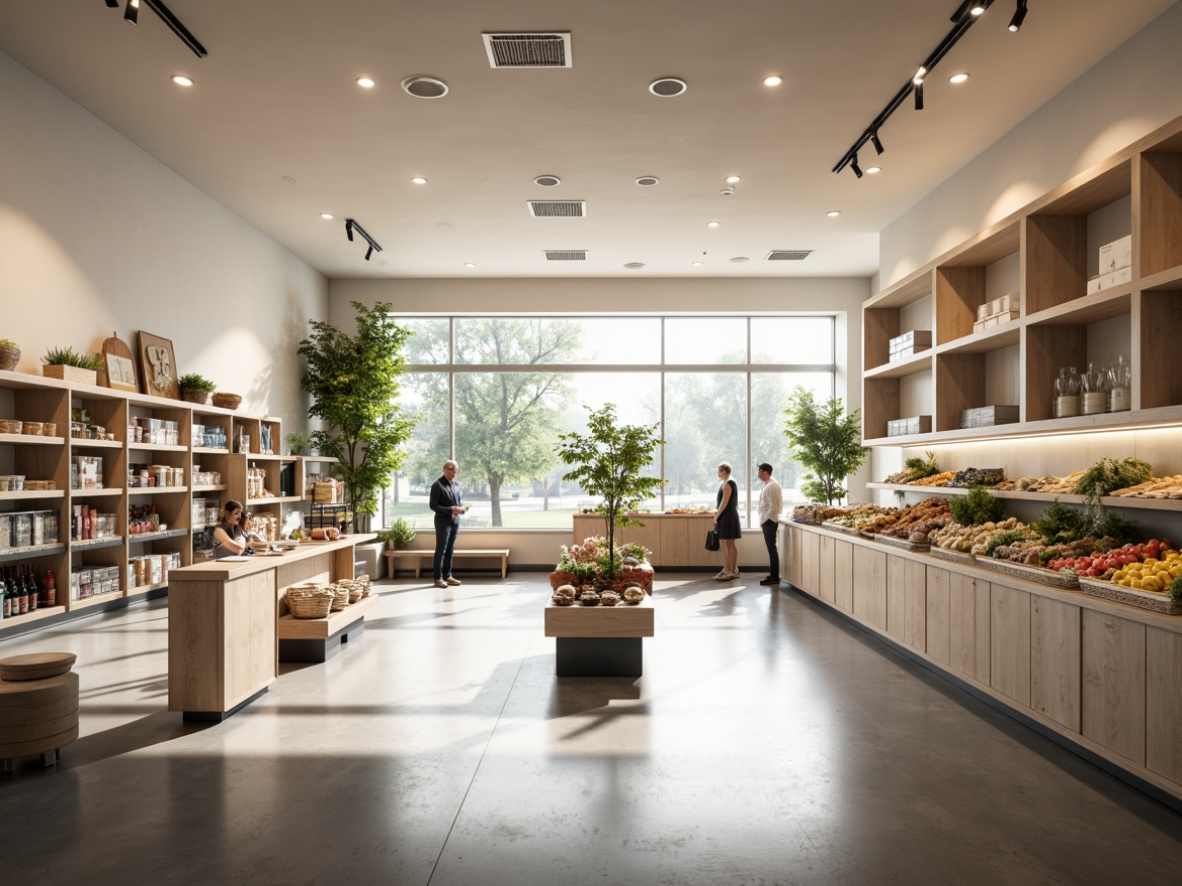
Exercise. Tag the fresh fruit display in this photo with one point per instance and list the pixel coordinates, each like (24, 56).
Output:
(973, 539)
(940, 479)
(1153, 564)
(970, 477)
(1158, 487)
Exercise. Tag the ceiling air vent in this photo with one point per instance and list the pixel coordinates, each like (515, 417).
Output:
(529, 50)
(558, 208)
(789, 254)
(566, 255)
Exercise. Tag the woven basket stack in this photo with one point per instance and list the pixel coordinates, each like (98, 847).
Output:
(317, 601)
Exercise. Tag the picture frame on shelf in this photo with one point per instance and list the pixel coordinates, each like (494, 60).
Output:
(159, 366)
(118, 366)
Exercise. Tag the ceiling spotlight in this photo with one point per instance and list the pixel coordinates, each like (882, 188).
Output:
(351, 225)
(182, 80)
(1019, 16)
(739, 259)
(958, 78)
(368, 253)
(469, 264)
(696, 264)
(424, 87)
(727, 192)
(977, 10)
(713, 224)
(874, 140)
(732, 179)
(833, 213)
(919, 96)
(365, 83)
(112, 4)
(132, 13)
(647, 181)
(547, 181)
(634, 265)
(327, 216)
(920, 73)
(773, 80)
(855, 167)
(873, 170)
(418, 180)
(668, 87)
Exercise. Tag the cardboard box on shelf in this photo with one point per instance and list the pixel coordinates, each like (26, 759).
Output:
(916, 338)
(1107, 281)
(983, 311)
(1116, 255)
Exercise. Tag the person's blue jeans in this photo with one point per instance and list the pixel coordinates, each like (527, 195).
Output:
(769, 539)
(445, 545)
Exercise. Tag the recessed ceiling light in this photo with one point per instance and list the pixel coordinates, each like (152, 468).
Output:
(182, 80)
(732, 179)
(327, 216)
(773, 80)
(873, 170)
(418, 180)
(634, 265)
(424, 87)
(668, 87)
(647, 181)
(713, 224)
(978, 9)
(469, 264)
(958, 78)
(727, 192)
(833, 213)
(697, 264)
(365, 83)
(547, 181)
(739, 259)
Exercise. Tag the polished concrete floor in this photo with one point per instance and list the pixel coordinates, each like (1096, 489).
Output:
(769, 742)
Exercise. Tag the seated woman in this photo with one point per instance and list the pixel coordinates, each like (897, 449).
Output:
(228, 538)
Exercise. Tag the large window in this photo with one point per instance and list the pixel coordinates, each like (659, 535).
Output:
(497, 391)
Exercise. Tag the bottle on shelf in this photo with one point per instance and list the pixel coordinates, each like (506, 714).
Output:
(50, 591)
(5, 592)
(34, 591)
(23, 595)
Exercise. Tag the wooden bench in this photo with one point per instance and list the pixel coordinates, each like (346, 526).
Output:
(319, 639)
(418, 557)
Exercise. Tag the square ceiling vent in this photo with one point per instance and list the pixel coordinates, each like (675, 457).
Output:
(788, 254)
(566, 255)
(528, 50)
(558, 208)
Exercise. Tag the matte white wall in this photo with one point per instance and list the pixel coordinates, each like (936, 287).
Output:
(96, 237)
(1126, 95)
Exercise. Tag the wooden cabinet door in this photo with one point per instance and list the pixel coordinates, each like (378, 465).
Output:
(826, 584)
(1009, 642)
(968, 626)
(810, 562)
(1055, 660)
(1163, 719)
(843, 574)
(1113, 688)
(939, 585)
(870, 593)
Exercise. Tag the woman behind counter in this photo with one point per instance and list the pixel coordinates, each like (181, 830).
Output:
(726, 523)
(230, 537)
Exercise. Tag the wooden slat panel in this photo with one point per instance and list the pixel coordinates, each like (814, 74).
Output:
(843, 574)
(896, 595)
(915, 604)
(792, 557)
(600, 621)
(1055, 661)
(810, 556)
(937, 606)
(195, 651)
(827, 583)
(675, 541)
(250, 648)
(1009, 632)
(968, 626)
(870, 586)
(1113, 687)
(1163, 720)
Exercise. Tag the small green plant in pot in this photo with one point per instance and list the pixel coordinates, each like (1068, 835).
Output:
(297, 443)
(398, 535)
(10, 354)
(70, 365)
(195, 388)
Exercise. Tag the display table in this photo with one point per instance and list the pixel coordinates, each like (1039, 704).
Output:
(599, 641)
(223, 617)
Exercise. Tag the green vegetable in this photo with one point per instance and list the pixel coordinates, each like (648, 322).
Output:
(1004, 538)
(977, 507)
(1109, 474)
(922, 467)
(1117, 528)
(1062, 525)
(1176, 589)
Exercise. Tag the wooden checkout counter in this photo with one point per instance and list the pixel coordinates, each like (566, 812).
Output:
(224, 623)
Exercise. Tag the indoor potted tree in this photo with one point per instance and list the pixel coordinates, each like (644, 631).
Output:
(69, 365)
(353, 381)
(195, 388)
(826, 442)
(609, 461)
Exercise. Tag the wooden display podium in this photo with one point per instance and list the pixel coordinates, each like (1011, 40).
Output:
(600, 641)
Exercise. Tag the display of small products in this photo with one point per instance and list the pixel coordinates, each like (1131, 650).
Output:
(209, 436)
(151, 569)
(1114, 265)
(90, 581)
(28, 428)
(24, 529)
(988, 416)
(153, 431)
(87, 524)
(909, 343)
(22, 592)
(998, 312)
(154, 476)
(142, 519)
(205, 478)
(918, 424)
(86, 472)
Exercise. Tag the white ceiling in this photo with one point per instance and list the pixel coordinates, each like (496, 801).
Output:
(277, 130)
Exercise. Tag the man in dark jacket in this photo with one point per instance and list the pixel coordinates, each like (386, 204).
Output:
(447, 503)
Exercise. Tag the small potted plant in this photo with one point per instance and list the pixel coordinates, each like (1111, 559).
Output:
(297, 443)
(398, 535)
(10, 354)
(195, 388)
(68, 365)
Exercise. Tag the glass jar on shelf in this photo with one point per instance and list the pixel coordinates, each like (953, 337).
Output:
(1120, 382)
(1095, 389)
(1067, 389)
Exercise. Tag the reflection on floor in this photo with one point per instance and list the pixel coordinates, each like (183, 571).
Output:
(768, 742)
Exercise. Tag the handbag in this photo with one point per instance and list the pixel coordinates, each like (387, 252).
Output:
(712, 541)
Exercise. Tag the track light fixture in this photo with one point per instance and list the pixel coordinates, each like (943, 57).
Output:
(963, 18)
(1019, 16)
(351, 225)
(132, 12)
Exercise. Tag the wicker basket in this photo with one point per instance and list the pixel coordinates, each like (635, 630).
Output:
(952, 556)
(310, 602)
(227, 401)
(901, 543)
(1131, 596)
(1066, 581)
(340, 597)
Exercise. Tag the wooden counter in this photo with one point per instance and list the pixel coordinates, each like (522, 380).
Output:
(223, 647)
(1101, 677)
(674, 539)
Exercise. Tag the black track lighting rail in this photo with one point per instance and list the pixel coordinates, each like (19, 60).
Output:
(351, 225)
(166, 15)
(962, 20)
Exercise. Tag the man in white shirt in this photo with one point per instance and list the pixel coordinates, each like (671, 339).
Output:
(771, 501)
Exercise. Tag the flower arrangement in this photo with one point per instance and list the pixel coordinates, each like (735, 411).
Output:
(590, 563)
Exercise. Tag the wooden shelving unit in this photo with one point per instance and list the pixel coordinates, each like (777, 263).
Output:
(1045, 252)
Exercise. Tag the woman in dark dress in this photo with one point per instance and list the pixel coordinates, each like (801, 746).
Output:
(726, 523)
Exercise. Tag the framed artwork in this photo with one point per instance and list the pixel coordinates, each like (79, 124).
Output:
(119, 366)
(158, 364)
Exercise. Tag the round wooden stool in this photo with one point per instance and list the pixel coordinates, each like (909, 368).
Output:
(38, 706)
